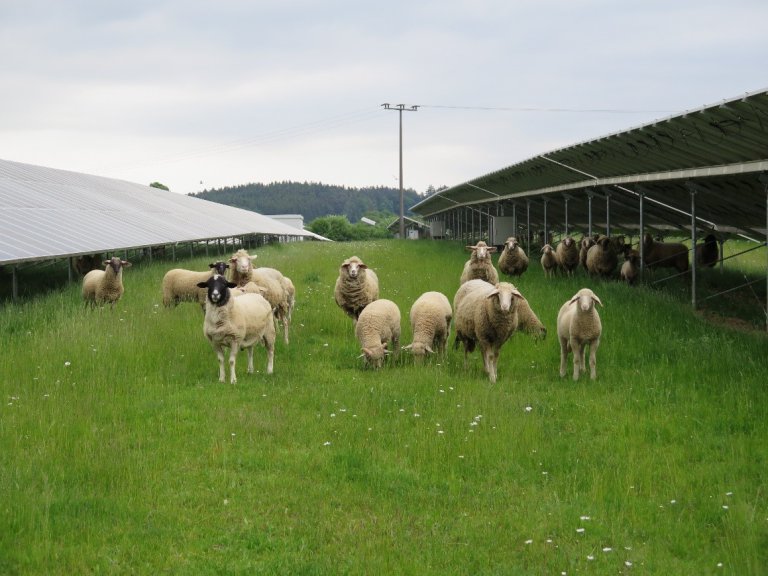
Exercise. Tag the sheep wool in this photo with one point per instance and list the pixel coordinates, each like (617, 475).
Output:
(279, 292)
(567, 253)
(513, 260)
(602, 258)
(662, 254)
(548, 260)
(586, 243)
(356, 287)
(180, 285)
(579, 327)
(105, 286)
(378, 326)
(480, 265)
(237, 323)
(487, 316)
(430, 318)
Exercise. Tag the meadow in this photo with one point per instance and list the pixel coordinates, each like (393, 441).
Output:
(121, 453)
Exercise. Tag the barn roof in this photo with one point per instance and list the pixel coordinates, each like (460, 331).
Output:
(49, 213)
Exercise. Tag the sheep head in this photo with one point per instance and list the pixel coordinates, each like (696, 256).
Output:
(511, 244)
(116, 264)
(218, 289)
(352, 266)
(585, 299)
(546, 249)
(218, 267)
(242, 261)
(374, 355)
(505, 293)
(481, 251)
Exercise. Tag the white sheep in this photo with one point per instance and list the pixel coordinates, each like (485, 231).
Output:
(377, 326)
(548, 260)
(180, 285)
(105, 286)
(486, 315)
(241, 267)
(480, 265)
(279, 292)
(579, 326)
(513, 260)
(356, 287)
(237, 322)
(567, 253)
(430, 318)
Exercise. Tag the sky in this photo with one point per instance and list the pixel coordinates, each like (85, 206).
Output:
(201, 94)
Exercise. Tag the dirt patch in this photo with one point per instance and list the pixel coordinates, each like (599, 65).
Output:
(729, 322)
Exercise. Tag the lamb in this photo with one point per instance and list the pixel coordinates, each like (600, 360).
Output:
(578, 326)
(662, 254)
(486, 315)
(480, 266)
(356, 287)
(548, 260)
(602, 258)
(630, 270)
(237, 323)
(180, 285)
(708, 253)
(513, 260)
(567, 254)
(586, 243)
(430, 324)
(105, 286)
(378, 325)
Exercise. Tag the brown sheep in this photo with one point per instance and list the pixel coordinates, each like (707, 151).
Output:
(662, 254)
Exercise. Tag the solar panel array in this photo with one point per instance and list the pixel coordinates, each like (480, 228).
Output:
(47, 213)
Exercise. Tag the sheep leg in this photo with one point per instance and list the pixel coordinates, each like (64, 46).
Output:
(489, 359)
(593, 359)
(563, 356)
(249, 351)
(220, 355)
(270, 346)
(233, 349)
(578, 358)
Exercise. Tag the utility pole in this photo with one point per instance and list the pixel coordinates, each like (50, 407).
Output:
(401, 108)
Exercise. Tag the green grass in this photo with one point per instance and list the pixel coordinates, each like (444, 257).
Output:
(121, 453)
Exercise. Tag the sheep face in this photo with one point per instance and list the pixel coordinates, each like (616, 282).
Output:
(218, 267)
(116, 264)
(374, 355)
(585, 299)
(353, 267)
(568, 241)
(511, 244)
(218, 289)
(481, 251)
(546, 249)
(505, 294)
(242, 263)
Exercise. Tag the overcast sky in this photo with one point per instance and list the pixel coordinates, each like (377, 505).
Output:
(207, 93)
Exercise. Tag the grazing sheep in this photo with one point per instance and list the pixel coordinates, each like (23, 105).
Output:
(378, 325)
(586, 243)
(485, 315)
(105, 286)
(430, 324)
(528, 322)
(356, 287)
(180, 285)
(567, 254)
(708, 252)
(548, 260)
(513, 260)
(602, 258)
(630, 270)
(237, 322)
(662, 254)
(578, 326)
(480, 266)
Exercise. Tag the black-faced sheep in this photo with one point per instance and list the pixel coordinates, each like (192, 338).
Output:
(663, 254)
(480, 265)
(567, 254)
(708, 252)
(356, 287)
(579, 326)
(180, 285)
(377, 326)
(548, 260)
(630, 269)
(105, 286)
(237, 322)
(486, 315)
(513, 260)
(603, 257)
(430, 324)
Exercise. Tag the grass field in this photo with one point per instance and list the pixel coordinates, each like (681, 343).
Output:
(120, 453)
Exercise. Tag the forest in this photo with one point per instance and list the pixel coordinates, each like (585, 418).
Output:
(312, 200)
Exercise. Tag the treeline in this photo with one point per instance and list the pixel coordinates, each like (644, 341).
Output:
(312, 200)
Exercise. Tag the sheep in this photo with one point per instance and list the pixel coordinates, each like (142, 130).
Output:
(602, 258)
(242, 267)
(662, 254)
(105, 286)
(630, 269)
(567, 254)
(513, 260)
(548, 260)
(85, 263)
(480, 266)
(356, 287)
(378, 325)
(180, 285)
(430, 317)
(579, 326)
(586, 243)
(708, 253)
(236, 322)
(486, 315)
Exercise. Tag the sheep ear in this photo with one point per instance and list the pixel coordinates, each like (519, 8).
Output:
(363, 266)
(574, 298)
(596, 299)
(231, 285)
(492, 249)
(516, 294)
(492, 294)
(202, 285)
(409, 347)
(125, 263)
(471, 248)
(363, 354)
(233, 260)
(428, 349)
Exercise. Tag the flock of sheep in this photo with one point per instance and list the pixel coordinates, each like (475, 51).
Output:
(244, 304)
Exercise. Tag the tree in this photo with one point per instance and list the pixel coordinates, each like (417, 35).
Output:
(158, 185)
